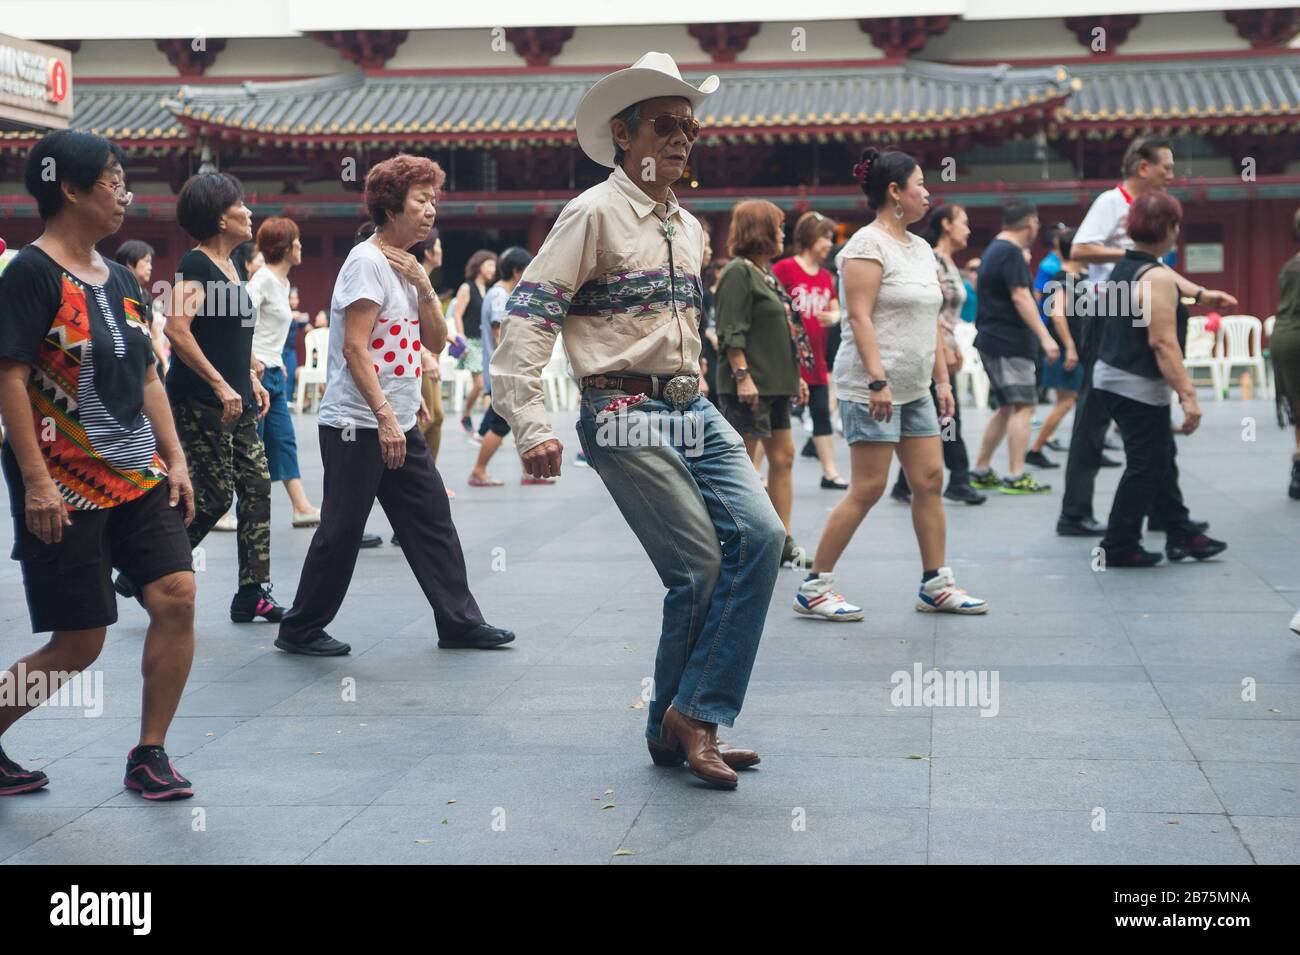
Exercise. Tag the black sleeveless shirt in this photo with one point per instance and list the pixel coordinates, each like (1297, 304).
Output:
(473, 318)
(1124, 344)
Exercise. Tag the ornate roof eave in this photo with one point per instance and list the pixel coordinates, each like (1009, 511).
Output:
(1073, 125)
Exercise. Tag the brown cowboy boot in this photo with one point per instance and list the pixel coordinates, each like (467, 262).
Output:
(698, 741)
(737, 759)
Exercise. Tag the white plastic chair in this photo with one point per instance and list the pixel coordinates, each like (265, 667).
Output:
(1242, 337)
(1203, 350)
(312, 372)
(972, 374)
(558, 386)
(1269, 386)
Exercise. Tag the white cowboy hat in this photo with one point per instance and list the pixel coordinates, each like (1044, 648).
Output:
(655, 74)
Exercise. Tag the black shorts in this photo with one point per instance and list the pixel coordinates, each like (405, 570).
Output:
(70, 584)
(767, 415)
(493, 422)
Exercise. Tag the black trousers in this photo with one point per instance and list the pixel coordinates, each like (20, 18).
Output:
(415, 501)
(1087, 441)
(955, 458)
(1149, 484)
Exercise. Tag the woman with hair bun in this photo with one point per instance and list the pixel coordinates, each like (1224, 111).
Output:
(892, 350)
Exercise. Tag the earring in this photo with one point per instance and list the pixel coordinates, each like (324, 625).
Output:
(898, 211)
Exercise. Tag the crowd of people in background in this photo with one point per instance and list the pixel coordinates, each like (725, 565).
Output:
(857, 337)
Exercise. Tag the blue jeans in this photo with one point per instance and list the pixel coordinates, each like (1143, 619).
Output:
(276, 429)
(691, 495)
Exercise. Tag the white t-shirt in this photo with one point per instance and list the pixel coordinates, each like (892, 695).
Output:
(1105, 224)
(270, 297)
(394, 342)
(905, 317)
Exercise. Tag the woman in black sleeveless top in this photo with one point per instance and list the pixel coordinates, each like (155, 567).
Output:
(480, 272)
(1139, 360)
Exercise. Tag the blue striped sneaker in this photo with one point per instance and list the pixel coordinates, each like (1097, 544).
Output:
(816, 599)
(941, 595)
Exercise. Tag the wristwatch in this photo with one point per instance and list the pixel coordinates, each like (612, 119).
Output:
(740, 373)
(880, 384)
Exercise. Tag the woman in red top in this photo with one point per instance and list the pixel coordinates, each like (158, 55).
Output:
(812, 291)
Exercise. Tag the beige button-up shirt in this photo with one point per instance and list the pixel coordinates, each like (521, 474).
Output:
(621, 273)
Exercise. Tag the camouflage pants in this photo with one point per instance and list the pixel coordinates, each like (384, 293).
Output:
(225, 459)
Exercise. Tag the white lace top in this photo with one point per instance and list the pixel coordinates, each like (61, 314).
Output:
(905, 317)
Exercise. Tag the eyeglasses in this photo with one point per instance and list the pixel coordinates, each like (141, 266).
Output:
(666, 124)
(119, 191)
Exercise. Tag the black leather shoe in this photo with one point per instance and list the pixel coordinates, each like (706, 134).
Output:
(1084, 528)
(965, 494)
(1294, 489)
(1133, 557)
(1039, 460)
(321, 645)
(1190, 529)
(1200, 547)
(902, 495)
(1110, 444)
(838, 484)
(482, 637)
(371, 540)
(1108, 462)
(809, 450)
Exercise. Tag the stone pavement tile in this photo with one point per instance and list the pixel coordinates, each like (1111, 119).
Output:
(1222, 700)
(75, 781)
(37, 742)
(1210, 597)
(1262, 741)
(1009, 619)
(329, 697)
(1066, 837)
(1134, 785)
(1236, 628)
(1273, 840)
(777, 737)
(758, 836)
(464, 833)
(1222, 674)
(1019, 697)
(24, 821)
(799, 699)
(1256, 789)
(990, 650)
(1094, 735)
(558, 690)
(186, 735)
(839, 784)
(164, 834)
(247, 698)
(1264, 649)
(567, 782)
(1182, 582)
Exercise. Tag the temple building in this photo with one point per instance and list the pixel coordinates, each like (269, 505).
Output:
(992, 100)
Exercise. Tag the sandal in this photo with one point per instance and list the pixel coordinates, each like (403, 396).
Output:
(485, 482)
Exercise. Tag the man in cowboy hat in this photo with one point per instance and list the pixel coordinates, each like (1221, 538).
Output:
(620, 271)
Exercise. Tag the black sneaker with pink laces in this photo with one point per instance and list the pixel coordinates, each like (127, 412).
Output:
(14, 779)
(150, 773)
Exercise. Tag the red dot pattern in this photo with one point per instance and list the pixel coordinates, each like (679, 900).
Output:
(395, 348)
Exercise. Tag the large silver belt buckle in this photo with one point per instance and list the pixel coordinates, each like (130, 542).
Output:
(681, 391)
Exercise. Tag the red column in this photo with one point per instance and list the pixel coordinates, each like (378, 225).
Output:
(538, 227)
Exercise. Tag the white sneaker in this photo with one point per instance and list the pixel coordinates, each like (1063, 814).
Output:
(1295, 622)
(816, 599)
(941, 595)
(227, 522)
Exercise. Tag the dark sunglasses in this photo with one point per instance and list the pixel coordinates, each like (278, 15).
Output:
(666, 124)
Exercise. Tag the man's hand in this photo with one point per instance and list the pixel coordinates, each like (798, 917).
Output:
(747, 391)
(262, 397)
(180, 490)
(1191, 412)
(1213, 298)
(544, 460)
(232, 406)
(46, 514)
(803, 391)
(1071, 359)
(1051, 350)
(947, 405)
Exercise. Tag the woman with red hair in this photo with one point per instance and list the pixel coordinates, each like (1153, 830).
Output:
(384, 309)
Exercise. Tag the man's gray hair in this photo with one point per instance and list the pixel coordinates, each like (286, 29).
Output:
(631, 117)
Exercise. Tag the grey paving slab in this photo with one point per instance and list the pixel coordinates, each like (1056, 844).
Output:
(1117, 690)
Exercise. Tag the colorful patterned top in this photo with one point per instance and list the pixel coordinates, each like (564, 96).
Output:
(89, 350)
(621, 273)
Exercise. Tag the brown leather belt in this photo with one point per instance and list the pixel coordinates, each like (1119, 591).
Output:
(632, 384)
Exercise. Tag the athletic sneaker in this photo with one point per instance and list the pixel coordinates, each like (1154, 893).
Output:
(988, 481)
(816, 599)
(941, 595)
(1023, 485)
(1295, 625)
(14, 779)
(227, 522)
(255, 601)
(1039, 460)
(150, 773)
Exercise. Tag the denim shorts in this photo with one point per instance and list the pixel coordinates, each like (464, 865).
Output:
(914, 419)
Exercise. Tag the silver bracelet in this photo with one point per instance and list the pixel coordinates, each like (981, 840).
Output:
(381, 408)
